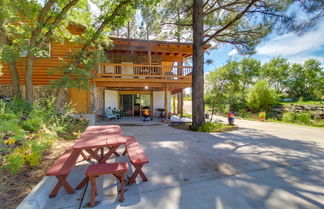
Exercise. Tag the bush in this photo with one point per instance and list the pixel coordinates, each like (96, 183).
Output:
(212, 127)
(303, 118)
(261, 96)
(289, 116)
(19, 148)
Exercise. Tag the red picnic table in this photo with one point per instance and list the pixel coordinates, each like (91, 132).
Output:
(96, 138)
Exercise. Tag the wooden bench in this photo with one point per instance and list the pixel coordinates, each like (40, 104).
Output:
(137, 157)
(61, 169)
(116, 169)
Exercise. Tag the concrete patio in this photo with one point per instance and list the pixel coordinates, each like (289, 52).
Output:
(261, 165)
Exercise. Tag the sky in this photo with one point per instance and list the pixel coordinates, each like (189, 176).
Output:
(295, 48)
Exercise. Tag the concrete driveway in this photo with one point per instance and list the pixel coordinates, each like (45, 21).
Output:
(261, 165)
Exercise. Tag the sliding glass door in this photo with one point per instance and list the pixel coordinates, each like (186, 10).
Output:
(132, 104)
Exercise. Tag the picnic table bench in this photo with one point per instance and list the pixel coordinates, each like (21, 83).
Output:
(137, 158)
(61, 169)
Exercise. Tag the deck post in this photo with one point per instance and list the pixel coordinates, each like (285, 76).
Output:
(149, 56)
(165, 100)
(181, 102)
(174, 103)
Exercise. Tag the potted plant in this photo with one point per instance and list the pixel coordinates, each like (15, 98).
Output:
(262, 116)
(230, 117)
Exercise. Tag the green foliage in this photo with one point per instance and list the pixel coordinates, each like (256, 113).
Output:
(212, 127)
(14, 162)
(305, 80)
(289, 116)
(27, 131)
(276, 73)
(261, 96)
(303, 117)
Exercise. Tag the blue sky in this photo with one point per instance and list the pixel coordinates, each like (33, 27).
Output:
(294, 48)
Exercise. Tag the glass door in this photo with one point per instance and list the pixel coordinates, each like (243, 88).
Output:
(132, 104)
(126, 104)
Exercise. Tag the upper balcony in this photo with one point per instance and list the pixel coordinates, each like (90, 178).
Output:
(143, 73)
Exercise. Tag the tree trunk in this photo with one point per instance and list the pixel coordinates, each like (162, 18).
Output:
(128, 30)
(29, 77)
(212, 114)
(15, 79)
(59, 103)
(198, 107)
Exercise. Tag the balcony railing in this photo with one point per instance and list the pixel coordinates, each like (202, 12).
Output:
(137, 71)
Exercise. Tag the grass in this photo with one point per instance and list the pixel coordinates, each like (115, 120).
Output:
(187, 115)
(311, 102)
(318, 124)
(216, 127)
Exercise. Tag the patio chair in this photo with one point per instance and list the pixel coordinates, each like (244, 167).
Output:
(109, 114)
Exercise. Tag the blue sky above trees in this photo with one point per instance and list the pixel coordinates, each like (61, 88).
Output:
(291, 46)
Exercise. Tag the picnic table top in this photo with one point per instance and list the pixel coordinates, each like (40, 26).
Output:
(100, 136)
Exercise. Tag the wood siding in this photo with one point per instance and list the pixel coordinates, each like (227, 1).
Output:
(41, 76)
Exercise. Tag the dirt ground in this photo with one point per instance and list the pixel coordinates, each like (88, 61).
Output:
(15, 187)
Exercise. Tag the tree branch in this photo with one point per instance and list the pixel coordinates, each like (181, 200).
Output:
(236, 18)
(99, 31)
(178, 24)
(210, 10)
(57, 20)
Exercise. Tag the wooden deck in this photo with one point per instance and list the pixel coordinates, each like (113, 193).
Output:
(140, 73)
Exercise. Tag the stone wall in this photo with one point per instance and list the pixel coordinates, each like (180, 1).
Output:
(6, 91)
(317, 111)
(39, 91)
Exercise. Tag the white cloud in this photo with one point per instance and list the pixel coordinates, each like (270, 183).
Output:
(291, 44)
(301, 60)
(233, 52)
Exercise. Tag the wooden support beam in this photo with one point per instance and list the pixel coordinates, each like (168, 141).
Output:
(174, 104)
(165, 100)
(149, 56)
(181, 103)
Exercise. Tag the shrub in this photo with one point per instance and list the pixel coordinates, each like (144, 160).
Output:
(261, 96)
(19, 148)
(19, 106)
(303, 118)
(32, 124)
(289, 116)
(14, 162)
(211, 127)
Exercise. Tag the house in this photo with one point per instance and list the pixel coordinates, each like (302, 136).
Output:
(139, 73)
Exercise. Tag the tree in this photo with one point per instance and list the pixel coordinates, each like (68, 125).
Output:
(14, 17)
(261, 97)
(115, 14)
(174, 20)
(276, 73)
(226, 87)
(241, 24)
(150, 24)
(49, 18)
(305, 80)
(26, 28)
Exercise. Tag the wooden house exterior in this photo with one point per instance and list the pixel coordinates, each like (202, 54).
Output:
(138, 73)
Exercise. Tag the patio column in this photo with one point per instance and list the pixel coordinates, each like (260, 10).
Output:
(94, 101)
(149, 57)
(174, 103)
(165, 100)
(181, 102)
(178, 104)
